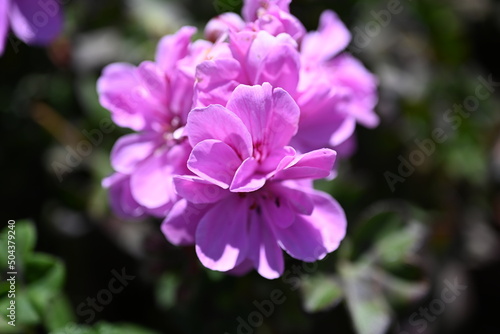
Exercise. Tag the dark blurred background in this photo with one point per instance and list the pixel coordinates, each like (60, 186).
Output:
(422, 191)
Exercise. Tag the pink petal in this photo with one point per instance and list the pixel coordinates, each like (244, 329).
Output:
(121, 200)
(359, 86)
(198, 191)
(179, 227)
(270, 115)
(221, 238)
(223, 24)
(216, 122)
(215, 81)
(277, 211)
(245, 179)
(265, 252)
(214, 161)
(312, 165)
(310, 238)
(172, 48)
(331, 38)
(274, 59)
(136, 97)
(296, 198)
(36, 23)
(152, 184)
(251, 7)
(4, 24)
(131, 149)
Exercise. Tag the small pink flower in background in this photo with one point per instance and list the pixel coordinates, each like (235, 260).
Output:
(33, 22)
(256, 190)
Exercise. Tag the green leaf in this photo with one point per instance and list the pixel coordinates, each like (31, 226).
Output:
(396, 246)
(59, 312)
(166, 290)
(25, 240)
(320, 292)
(369, 310)
(45, 278)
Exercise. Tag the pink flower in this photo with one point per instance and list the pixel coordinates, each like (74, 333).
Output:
(251, 195)
(335, 90)
(34, 22)
(155, 99)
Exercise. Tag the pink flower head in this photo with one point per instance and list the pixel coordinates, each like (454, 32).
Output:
(153, 98)
(272, 16)
(335, 90)
(251, 196)
(34, 22)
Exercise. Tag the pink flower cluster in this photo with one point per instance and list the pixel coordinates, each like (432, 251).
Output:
(231, 131)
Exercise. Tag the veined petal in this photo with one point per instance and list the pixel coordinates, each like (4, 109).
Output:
(197, 190)
(246, 179)
(312, 165)
(214, 161)
(221, 237)
(216, 122)
(271, 116)
(265, 252)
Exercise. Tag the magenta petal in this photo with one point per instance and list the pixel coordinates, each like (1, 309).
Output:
(172, 48)
(312, 165)
(270, 115)
(196, 190)
(221, 237)
(216, 122)
(4, 24)
(36, 22)
(274, 59)
(215, 81)
(265, 252)
(152, 184)
(121, 200)
(214, 161)
(331, 38)
(223, 24)
(136, 96)
(296, 198)
(277, 211)
(327, 217)
(251, 7)
(179, 227)
(131, 149)
(245, 179)
(311, 237)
